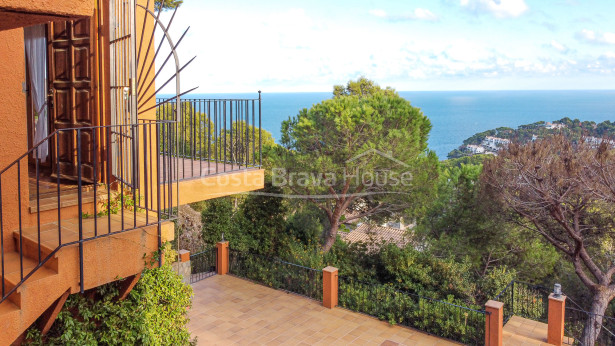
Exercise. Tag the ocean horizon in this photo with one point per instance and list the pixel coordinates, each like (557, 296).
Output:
(455, 115)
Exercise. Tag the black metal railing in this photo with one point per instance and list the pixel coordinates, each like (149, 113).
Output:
(433, 316)
(276, 273)
(216, 135)
(203, 264)
(577, 321)
(525, 300)
(119, 166)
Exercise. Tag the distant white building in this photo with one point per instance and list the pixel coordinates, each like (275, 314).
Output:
(595, 141)
(552, 126)
(495, 143)
(475, 149)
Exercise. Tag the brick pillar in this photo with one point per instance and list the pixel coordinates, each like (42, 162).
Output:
(329, 287)
(222, 258)
(184, 256)
(557, 306)
(494, 323)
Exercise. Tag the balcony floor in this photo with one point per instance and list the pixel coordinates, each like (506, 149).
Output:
(228, 310)
(188, 168)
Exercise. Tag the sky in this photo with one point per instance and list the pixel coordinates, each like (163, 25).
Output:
(303, 46)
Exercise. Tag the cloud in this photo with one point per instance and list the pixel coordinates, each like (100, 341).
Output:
(497, 8)
(590, 36)
(417, 14)
(292, 49)
(378, 13)
(424, 14)
(549, 25)
(560, 47)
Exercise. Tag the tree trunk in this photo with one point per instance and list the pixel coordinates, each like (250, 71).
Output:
(593, 324)
(330, 236)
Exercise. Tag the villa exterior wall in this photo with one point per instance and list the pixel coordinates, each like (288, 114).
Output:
(20, 13)
(14, 136)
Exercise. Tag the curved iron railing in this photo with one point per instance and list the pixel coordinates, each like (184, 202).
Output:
(120, 161)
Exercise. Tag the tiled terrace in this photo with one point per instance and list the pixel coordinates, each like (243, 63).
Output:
(228, 310)
(522, 331)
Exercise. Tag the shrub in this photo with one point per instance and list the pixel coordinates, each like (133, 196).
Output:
(155, 313)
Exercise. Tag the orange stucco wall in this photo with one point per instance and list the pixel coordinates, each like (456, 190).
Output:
(20, 13)
(14, 140)
(220, 185)
(61, 8)
(13, 126)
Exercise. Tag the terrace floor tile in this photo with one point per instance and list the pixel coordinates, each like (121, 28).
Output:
(285, 319)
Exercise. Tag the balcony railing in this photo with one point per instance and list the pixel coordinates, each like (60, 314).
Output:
(128, 170)
(215, 135)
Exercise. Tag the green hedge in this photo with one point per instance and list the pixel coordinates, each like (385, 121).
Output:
(444, 319)
(277, 274)
(155, 313)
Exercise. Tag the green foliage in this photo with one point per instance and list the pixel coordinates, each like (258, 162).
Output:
(575, 129)
(262, 219)
(422, 273)
(361, 87)
(496, 280)
(347, 140)
(440, 318)
(478, 137)
(474, 160)
(218, 217)
(307, 224)
(155, 313)
(198, 137)
(114, 204)
(384, 301)
(168, 4)
(257, 224)
(277, 274)
(459, 224)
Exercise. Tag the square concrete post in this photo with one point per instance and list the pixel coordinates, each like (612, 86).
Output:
(329, 287)
(557, 311)
(494, 323)
(222, 258)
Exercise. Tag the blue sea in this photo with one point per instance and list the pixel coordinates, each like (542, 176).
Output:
(457, 115)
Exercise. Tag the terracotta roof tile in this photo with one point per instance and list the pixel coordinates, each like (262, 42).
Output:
(374, 236)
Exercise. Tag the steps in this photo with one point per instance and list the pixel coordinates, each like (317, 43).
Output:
(68, 198)
(105, 259)
(12, 309)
